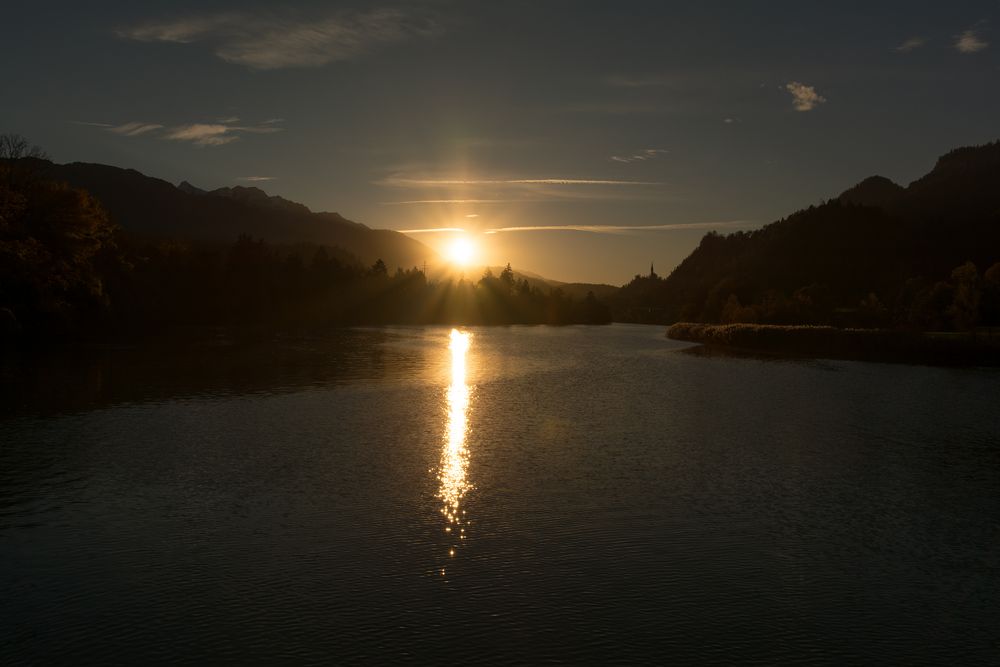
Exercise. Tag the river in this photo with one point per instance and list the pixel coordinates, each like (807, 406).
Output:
(519, 494)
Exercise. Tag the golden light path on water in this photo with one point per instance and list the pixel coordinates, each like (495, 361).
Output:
(453, 484)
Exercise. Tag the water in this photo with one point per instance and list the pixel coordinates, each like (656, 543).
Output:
(551, 494)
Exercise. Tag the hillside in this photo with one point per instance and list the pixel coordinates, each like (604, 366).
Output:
(878, 254)
(148, 207)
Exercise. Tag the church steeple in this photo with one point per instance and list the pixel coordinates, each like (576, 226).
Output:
(652, 273)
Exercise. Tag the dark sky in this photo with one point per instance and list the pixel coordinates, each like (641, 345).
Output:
(601, 116)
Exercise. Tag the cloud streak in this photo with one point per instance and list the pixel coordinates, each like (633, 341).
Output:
(437, 182)
(597, 229)
(641, 156)
(970, 42)
(135, 129)
(216, 134)
(451, 201)
(911, 44)
(431, 230)
(268, 42)
(621, 229)
(804, 98)
(201, 134)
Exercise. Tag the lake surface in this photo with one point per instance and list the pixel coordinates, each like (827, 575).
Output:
(523, 494)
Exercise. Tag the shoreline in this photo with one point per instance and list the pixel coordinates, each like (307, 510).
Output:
(825, 342)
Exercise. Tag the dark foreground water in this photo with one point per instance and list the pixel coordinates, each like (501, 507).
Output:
(548, 494)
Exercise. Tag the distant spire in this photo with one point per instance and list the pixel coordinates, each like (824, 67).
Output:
(652, 273)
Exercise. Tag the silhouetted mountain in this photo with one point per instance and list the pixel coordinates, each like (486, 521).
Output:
(964, 186)
(190, 189)
(877, 255)
(257, 197)
(873, 191)
(148, 207)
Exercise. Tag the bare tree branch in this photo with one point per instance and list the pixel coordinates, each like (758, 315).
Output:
(15, 147)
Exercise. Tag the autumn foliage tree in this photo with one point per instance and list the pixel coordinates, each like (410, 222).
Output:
(52, 238)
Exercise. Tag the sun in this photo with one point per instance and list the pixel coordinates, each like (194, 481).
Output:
(461, 251)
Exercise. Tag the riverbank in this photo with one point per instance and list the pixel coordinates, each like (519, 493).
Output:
(833, 343)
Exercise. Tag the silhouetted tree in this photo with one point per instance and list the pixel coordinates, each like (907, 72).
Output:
(15, 147)
(507, 278)
(51, 238)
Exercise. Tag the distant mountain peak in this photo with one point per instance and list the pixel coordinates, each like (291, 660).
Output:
(873, 191)
(256, 197)
(184, 186)
(968, 157)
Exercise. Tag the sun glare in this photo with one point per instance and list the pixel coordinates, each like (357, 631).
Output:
(461, 251)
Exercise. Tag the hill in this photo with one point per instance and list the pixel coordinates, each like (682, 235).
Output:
(151, 208)
(878, 254)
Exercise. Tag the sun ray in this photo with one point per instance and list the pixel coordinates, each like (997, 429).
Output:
(461, 252)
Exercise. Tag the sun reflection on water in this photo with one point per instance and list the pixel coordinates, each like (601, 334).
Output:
(453, 484)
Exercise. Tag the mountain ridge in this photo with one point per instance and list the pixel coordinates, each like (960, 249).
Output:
(877, 254)
(150, 207)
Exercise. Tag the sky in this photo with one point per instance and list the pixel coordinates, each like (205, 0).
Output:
(578, 140)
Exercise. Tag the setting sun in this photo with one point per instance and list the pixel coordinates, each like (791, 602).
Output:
(461, 251)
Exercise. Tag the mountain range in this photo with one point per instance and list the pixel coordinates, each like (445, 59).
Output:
(150, 208)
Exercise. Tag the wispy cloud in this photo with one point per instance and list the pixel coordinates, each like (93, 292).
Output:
(202, 134)
(970, 42)
(181, 31)
(804, 98)
(597, 229)
(640, 156)
(255, 179)
(622, 229)
(452, 201)
(396, 181)
(431, 230)
(911, 44)
(517, 190)
(215, 134)
(134, 129)
(269, 42)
